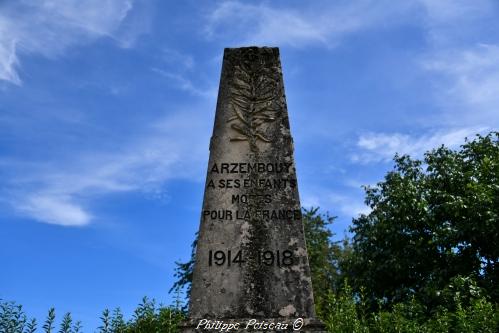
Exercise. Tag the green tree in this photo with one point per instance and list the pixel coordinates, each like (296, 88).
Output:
(431, 221)
(148, 317)
(144, 317)
(183, 273)
(168, 320)
(324, 255)
(31, 326)
(12, 317)
(106, 322)
(49, 322)
(77, 327)
(118, 324)
(66, 323)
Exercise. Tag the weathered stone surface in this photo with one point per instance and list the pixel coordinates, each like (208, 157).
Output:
(251, 259)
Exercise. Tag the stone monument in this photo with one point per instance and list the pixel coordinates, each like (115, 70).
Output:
(251, 271)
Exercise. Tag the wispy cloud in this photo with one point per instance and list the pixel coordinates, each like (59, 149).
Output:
(181, 82)
(441, 11)
(323, 23)
(48, 28)
(469, 82)
(54, 209)
(381, 147)
(349, 206)
(327, 22)
(346, 205)
(264, 24)
(177, 58)
(450, 23)
(8, 58)
(178, 69)
(61, 192)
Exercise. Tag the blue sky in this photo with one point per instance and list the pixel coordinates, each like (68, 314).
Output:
(107, 107)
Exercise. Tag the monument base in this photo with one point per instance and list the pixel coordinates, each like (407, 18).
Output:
(254, 325)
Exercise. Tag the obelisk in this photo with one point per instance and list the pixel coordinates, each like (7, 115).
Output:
(251, 258)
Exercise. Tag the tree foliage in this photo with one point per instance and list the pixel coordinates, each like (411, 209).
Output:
(324, 254)
(348, 311)
(147, 318)
(48, 326)
(66, 326)
(431, 220)
(184, 272)
(344, 311)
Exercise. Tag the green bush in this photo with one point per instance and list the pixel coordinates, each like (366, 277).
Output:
(467, 310)
(147, 318)
(348, 312)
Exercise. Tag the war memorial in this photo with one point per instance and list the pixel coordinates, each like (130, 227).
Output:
(251, 272)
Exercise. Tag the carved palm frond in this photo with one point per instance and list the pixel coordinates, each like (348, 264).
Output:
(253, 100)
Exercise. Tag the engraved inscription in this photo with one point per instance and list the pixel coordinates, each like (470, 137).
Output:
(264, 257)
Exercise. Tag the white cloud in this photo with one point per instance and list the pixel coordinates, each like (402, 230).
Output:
(469, 83)
(181, 82)
(445, 11)
(348, 204)
(8, 57)
(49, 27)
(177, 69)
(175, 57)
(309, 201)
(381, 147)
(321, 23)
(327, 22)
(51, 209)
(61, 192)
(264, 24)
